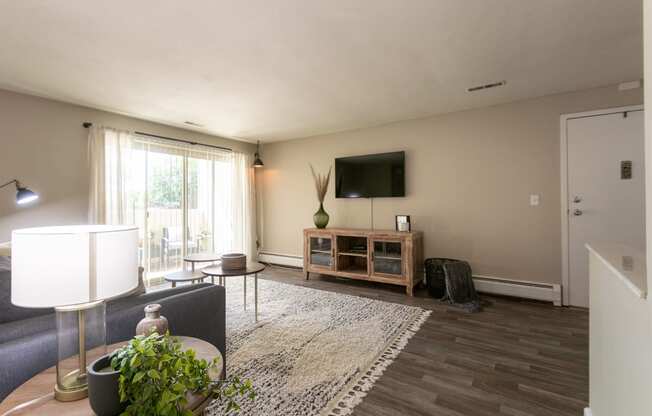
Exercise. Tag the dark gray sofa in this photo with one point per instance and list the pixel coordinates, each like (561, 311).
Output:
(28, 336)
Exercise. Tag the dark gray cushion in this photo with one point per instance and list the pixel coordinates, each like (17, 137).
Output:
(10, 331)
(151, 297)
(23, 358)
(9, 312)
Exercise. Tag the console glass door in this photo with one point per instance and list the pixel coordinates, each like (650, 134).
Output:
(321, 251)
(387, 257)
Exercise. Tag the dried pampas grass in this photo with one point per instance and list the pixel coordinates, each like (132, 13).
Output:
(321, 183)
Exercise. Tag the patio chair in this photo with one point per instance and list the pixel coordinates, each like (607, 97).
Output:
(172, 243)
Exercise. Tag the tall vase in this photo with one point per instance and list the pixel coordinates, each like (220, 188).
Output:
(321, 217)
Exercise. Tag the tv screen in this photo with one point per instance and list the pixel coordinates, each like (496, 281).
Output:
(370, 176)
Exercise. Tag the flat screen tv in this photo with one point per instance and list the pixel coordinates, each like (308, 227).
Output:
(370, 176)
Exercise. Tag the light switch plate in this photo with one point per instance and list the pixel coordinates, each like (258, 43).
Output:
(534, 200)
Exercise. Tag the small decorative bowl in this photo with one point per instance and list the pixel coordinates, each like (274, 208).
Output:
(234, 261)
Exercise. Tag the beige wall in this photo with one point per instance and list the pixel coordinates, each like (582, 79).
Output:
(647, 53)
(469, 177)
(43, 144)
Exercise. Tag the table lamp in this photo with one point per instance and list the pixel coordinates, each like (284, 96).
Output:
(74, 269)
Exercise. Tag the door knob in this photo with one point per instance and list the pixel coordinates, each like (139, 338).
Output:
(577, 212)
(577, 199)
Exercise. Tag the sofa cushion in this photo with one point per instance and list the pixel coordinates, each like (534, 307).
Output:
(25, 357)
(9, 312)
(144, 299)
(26, 327)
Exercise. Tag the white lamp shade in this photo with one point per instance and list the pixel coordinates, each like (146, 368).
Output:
(69, 265)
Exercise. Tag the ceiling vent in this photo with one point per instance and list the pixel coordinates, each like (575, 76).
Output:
(486, 86)
(190, 123)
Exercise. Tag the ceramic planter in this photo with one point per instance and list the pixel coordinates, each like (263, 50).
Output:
(103, 392)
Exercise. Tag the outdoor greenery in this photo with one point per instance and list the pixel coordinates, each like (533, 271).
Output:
(156, 374)
(166, 185)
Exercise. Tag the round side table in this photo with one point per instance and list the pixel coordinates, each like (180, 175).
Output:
(202, 258)
(184, 276)
(36, 396)
(253, 268)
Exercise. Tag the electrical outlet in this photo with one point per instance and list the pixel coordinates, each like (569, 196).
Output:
(534, 200)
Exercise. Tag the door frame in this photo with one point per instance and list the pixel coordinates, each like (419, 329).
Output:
(563, 164)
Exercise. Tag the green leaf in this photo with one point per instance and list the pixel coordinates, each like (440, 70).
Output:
(139, 375)
(135, 361)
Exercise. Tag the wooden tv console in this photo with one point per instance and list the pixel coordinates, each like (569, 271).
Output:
(384, 256)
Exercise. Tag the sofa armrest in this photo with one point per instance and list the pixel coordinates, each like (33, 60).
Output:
(23, 358)
(149, 297)
(197, 312)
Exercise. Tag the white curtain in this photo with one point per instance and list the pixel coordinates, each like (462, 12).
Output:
(118, 181)
(110, 156)
(244, 208)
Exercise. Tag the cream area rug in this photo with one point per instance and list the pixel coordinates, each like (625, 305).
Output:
(312, 352)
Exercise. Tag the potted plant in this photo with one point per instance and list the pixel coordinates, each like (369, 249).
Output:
(155, 376)
(321, 186)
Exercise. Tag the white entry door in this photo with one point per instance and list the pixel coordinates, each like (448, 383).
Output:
(606, 197)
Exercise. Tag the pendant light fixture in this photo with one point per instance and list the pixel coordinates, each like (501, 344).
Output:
(258, 163)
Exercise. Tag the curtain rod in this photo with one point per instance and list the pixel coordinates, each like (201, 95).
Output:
(89, 124)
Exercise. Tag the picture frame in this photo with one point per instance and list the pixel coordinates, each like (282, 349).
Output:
(403, 223)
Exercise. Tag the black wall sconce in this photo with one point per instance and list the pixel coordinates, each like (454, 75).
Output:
(23, 195)
(258, 162)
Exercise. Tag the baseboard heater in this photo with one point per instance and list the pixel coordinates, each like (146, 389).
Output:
(518, 288)
(280, 259)
(485, 284)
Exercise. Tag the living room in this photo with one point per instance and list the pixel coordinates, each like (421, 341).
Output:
(343, 208)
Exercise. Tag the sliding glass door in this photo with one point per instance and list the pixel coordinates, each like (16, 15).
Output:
(184, 199)
(165, 216)
(200, 179)
(175, 205)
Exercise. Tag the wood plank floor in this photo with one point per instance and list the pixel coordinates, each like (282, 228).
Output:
(516, 358)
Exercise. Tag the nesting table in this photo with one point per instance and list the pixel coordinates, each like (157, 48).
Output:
(201, 258)
(193, 275)
(184, 276)
(253, 268)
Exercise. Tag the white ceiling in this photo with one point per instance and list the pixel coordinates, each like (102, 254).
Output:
(284, 69)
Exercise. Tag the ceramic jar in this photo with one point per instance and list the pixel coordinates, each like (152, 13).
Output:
(153, 321)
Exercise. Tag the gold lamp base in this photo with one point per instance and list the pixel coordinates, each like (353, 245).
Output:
(72, 382)
(70, 395)
(74, 386)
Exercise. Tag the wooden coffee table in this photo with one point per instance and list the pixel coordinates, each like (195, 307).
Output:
(36, 396)
(252, 268)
